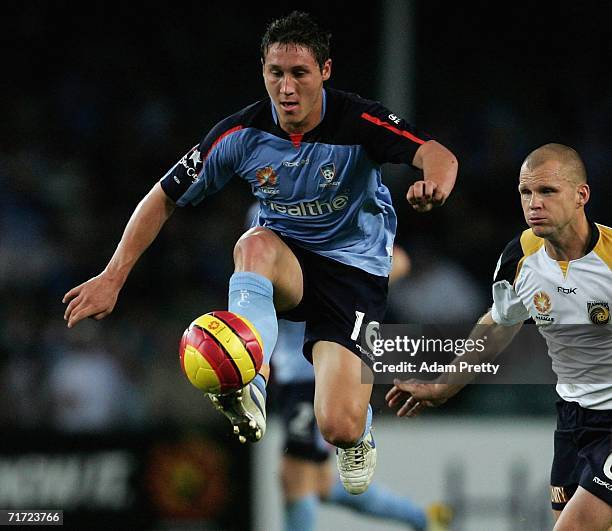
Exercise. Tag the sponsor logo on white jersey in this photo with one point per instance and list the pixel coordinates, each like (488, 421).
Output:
(566, 291)
(543, 305)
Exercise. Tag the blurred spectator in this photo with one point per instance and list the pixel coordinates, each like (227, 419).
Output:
(88, 388)
(437, 291)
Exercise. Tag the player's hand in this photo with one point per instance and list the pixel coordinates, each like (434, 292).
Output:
(424, 195)
(95, 298)
(412, 398)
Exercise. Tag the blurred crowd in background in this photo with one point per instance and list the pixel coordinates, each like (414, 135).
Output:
(100, 100)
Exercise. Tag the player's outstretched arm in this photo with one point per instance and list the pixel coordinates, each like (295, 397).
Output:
(97, 297)
(440, 168)
(412, 397)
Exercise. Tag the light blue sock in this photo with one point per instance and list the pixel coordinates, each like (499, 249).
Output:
(260, 382)
(368, 425)
(250, 295)
(300, 515)
(380, 503)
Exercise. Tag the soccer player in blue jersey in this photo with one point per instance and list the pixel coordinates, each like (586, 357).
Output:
(307, 480)
(321, 252)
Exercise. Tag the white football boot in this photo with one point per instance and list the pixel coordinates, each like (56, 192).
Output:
(246, 410)
(356, 465)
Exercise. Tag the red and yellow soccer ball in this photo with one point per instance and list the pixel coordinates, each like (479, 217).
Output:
(220, 352)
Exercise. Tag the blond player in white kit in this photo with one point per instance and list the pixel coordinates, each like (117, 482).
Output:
(558, 272)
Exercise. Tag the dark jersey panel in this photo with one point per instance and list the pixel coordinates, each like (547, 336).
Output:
(389, 138)
(186, 171)
(508, 263)
(353, 120)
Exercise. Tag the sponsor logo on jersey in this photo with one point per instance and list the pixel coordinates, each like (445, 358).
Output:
(296, 163)
(543, 305)
(328, 171)
(599, 312)
(566, 291)
(603, 483)
(192, 163)
(195, 158)
(309, 208)
(267, 179)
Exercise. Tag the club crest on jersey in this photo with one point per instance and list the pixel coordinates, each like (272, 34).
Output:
(267, 179)
(599, 312)
(328, 171)
(543, 305)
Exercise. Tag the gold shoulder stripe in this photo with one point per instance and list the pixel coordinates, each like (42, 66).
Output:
(530, 243)
(603, 248)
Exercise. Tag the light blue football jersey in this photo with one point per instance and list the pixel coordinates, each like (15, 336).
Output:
(322, 189)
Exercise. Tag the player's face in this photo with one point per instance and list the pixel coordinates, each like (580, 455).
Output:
(550, 200)
(294, 82)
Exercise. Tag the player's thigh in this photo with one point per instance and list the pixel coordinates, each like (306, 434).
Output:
(585, 512)
(262, 251)
(342, 383)
(299, 477)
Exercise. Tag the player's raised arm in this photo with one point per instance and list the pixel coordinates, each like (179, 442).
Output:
(97, 297)
(440, 168)
(411, 397)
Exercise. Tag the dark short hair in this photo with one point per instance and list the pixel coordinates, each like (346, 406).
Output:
(298, 28)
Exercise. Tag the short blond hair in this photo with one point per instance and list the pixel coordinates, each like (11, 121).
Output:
(571, 163)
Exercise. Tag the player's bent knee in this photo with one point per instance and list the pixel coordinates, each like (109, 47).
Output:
(256, 246)
(341, 430)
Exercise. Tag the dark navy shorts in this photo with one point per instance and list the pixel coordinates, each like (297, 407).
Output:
(339, 301)
(302, 437)
(583, 453)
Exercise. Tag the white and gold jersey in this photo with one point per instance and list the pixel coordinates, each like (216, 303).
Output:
(570, 304)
